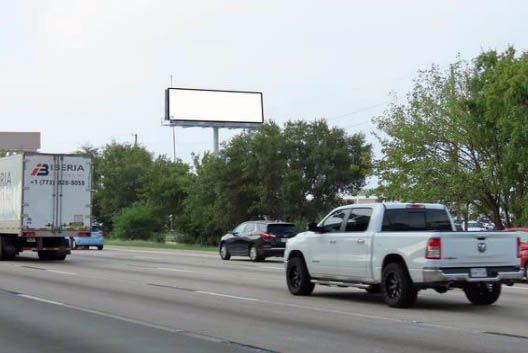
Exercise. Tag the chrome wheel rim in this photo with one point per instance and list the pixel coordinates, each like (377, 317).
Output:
(253, 253)
(223, 251)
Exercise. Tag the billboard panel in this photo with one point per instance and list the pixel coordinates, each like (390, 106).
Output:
(20, 141)
(200, 106)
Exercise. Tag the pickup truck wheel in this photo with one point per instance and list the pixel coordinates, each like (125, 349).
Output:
(297, 277)
(398, 289)
(224, 252)
(483, 293)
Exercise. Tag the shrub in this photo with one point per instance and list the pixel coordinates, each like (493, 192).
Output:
(141, 221)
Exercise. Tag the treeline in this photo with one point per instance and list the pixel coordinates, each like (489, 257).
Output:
(294, 173)
(462, 139)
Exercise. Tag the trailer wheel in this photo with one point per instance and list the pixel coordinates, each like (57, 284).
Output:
(8, 250)
(44, 255)
(52, 255)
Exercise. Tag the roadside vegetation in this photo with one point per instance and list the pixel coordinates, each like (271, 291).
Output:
(460, 138)
(286, 173)
(158, 245)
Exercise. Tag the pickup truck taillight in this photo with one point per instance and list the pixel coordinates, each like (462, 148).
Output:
(434, 249)
(267, 236)
(518, 247)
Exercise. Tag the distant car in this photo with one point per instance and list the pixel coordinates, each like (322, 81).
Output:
(523, 232)
(475, 226)
(257, 239)
(459, 227)
(86, 239)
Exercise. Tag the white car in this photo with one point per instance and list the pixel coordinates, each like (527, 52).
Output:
(399, 249)
(475, 226)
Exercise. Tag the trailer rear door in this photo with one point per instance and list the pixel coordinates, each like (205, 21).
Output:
(57, 194)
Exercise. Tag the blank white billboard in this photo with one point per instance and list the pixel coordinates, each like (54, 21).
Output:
(197, 105)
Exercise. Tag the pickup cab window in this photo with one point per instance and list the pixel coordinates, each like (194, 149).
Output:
(403, 219)
(334, 221)
(358, 220)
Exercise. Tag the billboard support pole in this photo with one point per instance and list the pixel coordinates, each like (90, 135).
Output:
(215, 140)
(174, 142)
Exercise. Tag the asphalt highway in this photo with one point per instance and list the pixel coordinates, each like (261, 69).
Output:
(149, 300)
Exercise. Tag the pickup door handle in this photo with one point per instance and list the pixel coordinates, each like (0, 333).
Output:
(332, 241)
(361, 241)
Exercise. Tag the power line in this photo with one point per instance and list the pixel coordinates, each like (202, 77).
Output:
(358, 111)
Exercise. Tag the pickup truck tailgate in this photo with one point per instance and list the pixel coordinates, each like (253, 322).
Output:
(479, 249)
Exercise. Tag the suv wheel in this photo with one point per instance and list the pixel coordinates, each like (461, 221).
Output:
(483, 293)
(298, 278)
(398, 289)
(224, 252)
(253, 254)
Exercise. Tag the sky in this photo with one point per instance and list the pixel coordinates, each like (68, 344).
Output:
(93, 72)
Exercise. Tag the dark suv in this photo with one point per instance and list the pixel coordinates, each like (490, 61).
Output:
(257, 239)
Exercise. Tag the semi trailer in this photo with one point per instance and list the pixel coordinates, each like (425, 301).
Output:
(45, 199)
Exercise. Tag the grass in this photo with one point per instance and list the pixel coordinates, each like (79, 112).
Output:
(153, 244)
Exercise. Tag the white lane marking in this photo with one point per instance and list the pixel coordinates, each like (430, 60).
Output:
(514, 288)
(227, 296)
(48, 270)
(146, 258)
(40, 299)
(172, 269)
(62, 272)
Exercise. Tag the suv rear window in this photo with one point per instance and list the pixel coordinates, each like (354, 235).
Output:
(403, 219)
(282, 229)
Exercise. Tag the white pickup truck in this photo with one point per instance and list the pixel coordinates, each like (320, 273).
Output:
(398, 249)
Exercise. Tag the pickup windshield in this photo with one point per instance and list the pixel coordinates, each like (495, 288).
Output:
(403, 219)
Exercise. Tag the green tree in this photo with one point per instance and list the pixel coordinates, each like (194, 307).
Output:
(295, 174)
(204, 216)
(462, 138)
(122, 169)
(165, 184)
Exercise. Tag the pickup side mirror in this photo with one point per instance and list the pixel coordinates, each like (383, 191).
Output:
(312, 227)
